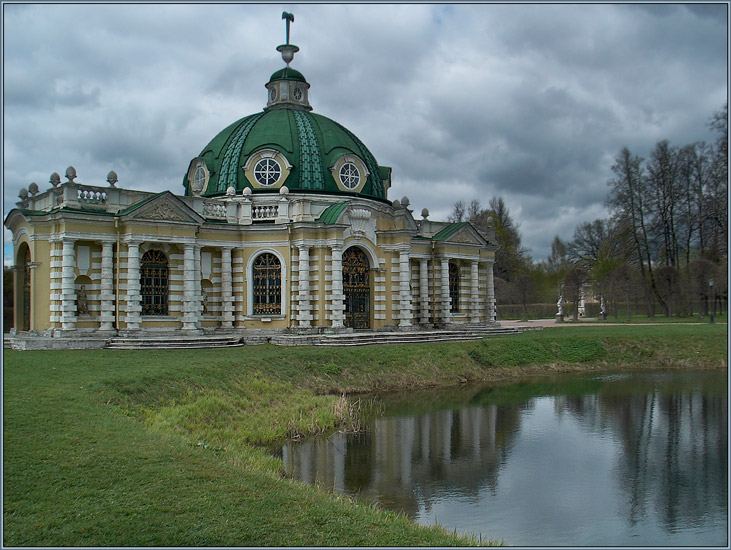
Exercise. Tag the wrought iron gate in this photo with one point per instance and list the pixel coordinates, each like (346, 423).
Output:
(356, 287)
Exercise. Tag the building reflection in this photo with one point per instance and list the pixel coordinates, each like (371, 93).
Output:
(405, 463)
(670, 464)
(673, 442)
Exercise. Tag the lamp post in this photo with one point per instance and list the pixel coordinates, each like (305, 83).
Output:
(713, 293)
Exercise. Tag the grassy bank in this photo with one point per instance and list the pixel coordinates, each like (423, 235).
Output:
(166, 447)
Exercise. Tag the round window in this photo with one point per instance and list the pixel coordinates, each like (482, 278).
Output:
(297, 94)
(267, 172)
(349, 175)
(272, 93)
(199, 179)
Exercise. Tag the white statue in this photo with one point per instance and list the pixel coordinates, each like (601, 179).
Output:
(560, 304)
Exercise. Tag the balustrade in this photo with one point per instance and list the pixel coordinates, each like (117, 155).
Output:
(265, 212)
(91, 196)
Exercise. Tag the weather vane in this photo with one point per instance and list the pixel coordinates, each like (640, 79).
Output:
(288, 50)
(290, 19)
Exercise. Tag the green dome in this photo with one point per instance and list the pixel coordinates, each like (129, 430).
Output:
(288, 73)
(314, 147)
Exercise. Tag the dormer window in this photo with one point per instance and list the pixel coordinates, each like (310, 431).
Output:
(267, 172)
(349, 175)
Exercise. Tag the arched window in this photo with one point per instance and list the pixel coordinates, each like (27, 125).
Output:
(154, 283)
(267, 285)
(453, 288)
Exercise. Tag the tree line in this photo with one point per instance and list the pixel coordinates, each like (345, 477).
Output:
(663, 245)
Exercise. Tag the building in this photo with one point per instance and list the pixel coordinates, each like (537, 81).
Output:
(285, 225)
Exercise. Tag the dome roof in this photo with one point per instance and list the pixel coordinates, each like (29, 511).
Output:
(286, 145)
(311, 152)
(288, 73)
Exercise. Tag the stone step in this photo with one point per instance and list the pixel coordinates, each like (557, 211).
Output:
(174, 342)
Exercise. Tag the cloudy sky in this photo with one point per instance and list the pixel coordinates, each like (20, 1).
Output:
(528, 102)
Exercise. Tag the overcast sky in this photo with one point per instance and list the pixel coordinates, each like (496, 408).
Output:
(528, 102)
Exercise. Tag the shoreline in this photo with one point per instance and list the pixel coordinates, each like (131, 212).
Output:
(142, 445)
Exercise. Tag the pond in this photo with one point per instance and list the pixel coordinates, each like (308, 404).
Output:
(630, 459)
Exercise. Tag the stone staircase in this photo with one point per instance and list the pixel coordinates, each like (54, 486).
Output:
(397, 337)
(174, 342)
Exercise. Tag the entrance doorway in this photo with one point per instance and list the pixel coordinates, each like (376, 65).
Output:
(24, 260)
(357, 290)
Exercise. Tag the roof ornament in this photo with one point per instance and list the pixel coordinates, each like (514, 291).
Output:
(288, 50)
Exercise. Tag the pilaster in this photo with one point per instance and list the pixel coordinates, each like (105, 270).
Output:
(474, 292)
(189, 288)
(106, 317)
(444, 283)
(405, 313)
(134, 307)
(337, 297)
(304, 315)
(424, 291)
(227, 313)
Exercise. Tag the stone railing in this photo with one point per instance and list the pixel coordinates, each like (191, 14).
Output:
(91, 195)
(264, 212)
(214, 209)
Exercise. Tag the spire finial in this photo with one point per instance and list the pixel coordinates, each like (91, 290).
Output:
(288, 50)
(290, 19)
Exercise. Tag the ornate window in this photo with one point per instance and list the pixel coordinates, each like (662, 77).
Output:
(267, 285)
(297, 93)
(453, 288)
(349, 175)
(267, 172)
(154, 283)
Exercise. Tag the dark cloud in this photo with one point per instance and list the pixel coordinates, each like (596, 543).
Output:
(530, 102)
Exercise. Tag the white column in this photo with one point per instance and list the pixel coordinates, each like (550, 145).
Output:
(490, 293)
(197, 302)
(106, 317)
(227, 313)
(68, 290)
(446, 316)
(337, 297)
(405, 314)
(424, 291)
(189, 287)
(134, 307)
(304, 315)
(474, 292)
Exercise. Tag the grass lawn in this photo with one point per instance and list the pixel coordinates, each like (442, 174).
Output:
(149, 448)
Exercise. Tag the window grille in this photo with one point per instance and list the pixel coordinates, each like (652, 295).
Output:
(267, 285)
(453, 288)
(154, 283)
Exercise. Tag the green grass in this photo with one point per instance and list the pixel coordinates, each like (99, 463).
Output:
(148, 448)
(643, 319)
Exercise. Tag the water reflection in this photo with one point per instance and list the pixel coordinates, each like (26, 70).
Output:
(638, 459)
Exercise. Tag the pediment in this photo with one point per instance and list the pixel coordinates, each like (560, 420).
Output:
(467, 235)
(164, 207)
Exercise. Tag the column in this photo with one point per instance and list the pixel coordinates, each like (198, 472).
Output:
(424, 291)
(304, 315)
(134, 307)
(490, 293)
(197, 302)
(189, 288)
(68, 289)
(474, 291)
(404, 289)
(337, 297)
(227, 306)
(445, 313)
(106, 317)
